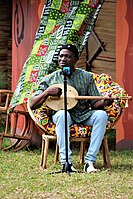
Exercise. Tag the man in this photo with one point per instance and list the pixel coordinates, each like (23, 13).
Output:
(87, 112)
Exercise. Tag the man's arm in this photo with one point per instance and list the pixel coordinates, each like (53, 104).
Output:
(38, 100)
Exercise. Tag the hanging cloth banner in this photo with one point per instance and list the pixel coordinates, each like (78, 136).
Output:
(62, 21)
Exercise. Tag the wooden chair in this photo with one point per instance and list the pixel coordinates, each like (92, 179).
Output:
(17, 140)
(48, 135)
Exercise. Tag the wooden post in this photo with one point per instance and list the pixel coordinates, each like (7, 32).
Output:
(124, 64)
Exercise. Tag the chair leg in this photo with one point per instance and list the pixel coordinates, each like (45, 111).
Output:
(106, 155)
(1, 142)
(44, 153)
(56, 153)
(82, 150)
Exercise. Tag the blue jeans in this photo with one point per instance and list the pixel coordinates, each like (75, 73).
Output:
(98, 120)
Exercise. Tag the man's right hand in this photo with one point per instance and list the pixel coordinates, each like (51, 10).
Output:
(54, 91)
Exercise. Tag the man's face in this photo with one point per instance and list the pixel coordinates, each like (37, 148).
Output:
(67, 58)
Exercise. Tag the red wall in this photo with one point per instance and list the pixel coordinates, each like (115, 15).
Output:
(25, 21)
(124, 72)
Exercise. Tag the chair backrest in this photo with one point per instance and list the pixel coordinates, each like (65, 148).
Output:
(5, 96)
(105, 85)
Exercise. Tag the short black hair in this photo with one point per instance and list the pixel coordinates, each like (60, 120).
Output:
(72, 48)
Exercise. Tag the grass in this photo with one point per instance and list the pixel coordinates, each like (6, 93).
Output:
(21, 177)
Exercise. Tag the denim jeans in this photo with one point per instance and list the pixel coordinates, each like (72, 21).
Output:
(98, 121)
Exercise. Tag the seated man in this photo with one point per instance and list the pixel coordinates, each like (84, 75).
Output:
(86, 112)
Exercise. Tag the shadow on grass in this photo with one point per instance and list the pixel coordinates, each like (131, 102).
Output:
(125, 167)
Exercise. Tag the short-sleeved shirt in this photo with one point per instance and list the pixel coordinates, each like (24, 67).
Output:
(83, 82)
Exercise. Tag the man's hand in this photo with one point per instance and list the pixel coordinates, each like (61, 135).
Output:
(54, 91)
(108, 102)
(101, 104)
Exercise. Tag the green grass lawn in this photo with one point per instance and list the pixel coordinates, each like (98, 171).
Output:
(22, 178)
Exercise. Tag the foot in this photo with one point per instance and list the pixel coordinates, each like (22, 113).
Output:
(68, 167)
(89, 167)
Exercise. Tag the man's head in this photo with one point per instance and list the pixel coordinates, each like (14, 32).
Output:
(68, 56)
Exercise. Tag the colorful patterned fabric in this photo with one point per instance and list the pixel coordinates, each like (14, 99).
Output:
(62, 21)
(106, 86)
